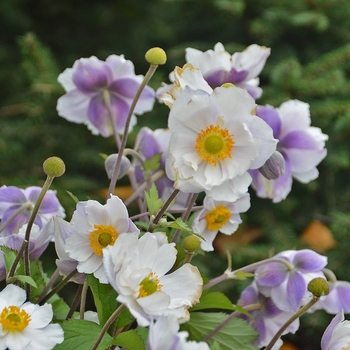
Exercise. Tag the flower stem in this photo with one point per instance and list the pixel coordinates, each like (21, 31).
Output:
(49, 285)
(298, 314)
(109, 322)
(145, 81)
(75, 302)
(83, 299)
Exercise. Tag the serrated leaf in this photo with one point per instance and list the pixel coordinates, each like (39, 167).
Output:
(134, 339)
(40, 278)
(152, 163)
(104, 298)
(179, 224)
(213, 300)
(236, 335)
(215, 346)
(26, 279)
(82, 335)
(154, 203)
(9, 257)
(241, 275)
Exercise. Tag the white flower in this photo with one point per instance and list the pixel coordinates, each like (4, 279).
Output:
(137, 269)
(24, 325)
(97, 226)
(215, 139)
(164, 335)
(219, 216)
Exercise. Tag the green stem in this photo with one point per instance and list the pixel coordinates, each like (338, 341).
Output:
(49, 285)
(75, 302)
(83, 299)
(109, 322)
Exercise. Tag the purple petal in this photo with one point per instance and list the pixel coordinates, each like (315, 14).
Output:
(271, 274)
(50, 203)
(270, 309)
(125, 87)
(221, 77)
(91, 75)
(146, 143)
(12, 195)
(299, 139)
(16, 223)
(271, 117)
(121, 109)
(295, 291)
(327, 335)
(308, 261)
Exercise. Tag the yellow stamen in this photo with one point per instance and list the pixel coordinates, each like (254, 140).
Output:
(217, 218)
(149, 285)
(101, 237)
(14, 319)
(214, 144)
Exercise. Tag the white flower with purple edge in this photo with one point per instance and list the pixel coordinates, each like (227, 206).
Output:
(137, 269)
(97, 226)
(215, 139)
(287, 286)
(241, 69)
(338, 298)
(337, 334)
(13, 198)
(301, 145)
(218, 216)
(24, 325)
(88, 81)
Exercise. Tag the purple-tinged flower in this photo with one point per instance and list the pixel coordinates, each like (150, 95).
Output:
(287, 286)
(337, 334)
(164, 335)
(63, 230)
(219, 216)
(14, 199)
(338, 298)
(301, 145)
(241, 69)
(267, 319)
(90, 82)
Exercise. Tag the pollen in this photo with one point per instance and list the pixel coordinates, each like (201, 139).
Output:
(214, 144)
(217, 218)
(149, 285)
(101, 237)
(14, 319)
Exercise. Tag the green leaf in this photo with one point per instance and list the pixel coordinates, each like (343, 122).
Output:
(60, 309)
(26, 279)
(82, 335)
(215, 346)
(104, 298)
(179, 224)
(154, 203)
(40, 278)
(9, 257)
(134, 339)
(124, 318)
(236, 335)
(213, 300)
(75, 199)
(153, 163)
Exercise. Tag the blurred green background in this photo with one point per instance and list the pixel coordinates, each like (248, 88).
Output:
(310, 61)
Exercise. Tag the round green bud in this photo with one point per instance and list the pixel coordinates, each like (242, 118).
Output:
(54, 167)
(191, 243)
(156, 56)
(318, 287)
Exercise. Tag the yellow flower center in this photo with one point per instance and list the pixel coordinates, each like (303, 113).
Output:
(101, 237)
(149, 285)
(217, 218)
(214, 144)
(14, 319)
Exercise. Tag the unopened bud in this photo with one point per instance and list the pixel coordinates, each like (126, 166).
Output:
(156, 56)
(54, 167)
(191, 243)
(318, 287)
(111, 162)
(274, 166)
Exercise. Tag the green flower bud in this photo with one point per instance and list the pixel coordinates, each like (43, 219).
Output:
(318, 287)
(54, 167)
(191, 243)
(156, 56)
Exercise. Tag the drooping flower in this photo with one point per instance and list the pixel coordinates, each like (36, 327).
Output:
(26, 326)
(97, 226)
(164, 335)
(301, 145)
(91, 82)
(215, 139)
(219, 216)
(241, 69)
(14, 199)
(287, 286)
(337, 334)
(268, 318)
(137, 269)
(338, 298)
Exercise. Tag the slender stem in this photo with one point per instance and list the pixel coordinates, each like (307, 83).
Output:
(109, 322)
(330, 275)
(107, 100)
(58, 287)
(229, 318)
(298, 314)
(75, 302)
(83, 299)
(146, 79)
(185, 216)
(25, 206)
(49, 285)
